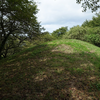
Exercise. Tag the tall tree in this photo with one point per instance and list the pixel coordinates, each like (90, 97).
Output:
(91, 4)
(17, 20)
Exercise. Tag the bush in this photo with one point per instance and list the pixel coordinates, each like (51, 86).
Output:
(94, 30)
(38, 40)
(43, 38)
(91, 35)
(47, 37)
(93, 38)
(66, 35)
(59, 32)
(75, 32)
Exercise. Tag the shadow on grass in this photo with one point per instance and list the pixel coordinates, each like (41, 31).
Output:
(44, 73)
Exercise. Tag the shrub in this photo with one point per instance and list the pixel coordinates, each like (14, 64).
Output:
(58, 34)
(75, 32)
(43, 38)
(93, 38)
(38, 40)
(47, 37)
(66, 35)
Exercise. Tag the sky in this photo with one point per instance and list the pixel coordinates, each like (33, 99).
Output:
(54, 14)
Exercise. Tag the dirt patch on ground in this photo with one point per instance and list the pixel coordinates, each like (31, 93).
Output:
(79, 95)
(63, 48)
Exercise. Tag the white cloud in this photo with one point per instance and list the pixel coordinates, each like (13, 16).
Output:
(54, 14)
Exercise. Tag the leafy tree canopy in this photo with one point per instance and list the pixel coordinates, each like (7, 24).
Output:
(17, 20)
(95, 22)
(91, 4)
(59, 32)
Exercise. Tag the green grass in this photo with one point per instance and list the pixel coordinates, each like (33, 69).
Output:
(56, 70)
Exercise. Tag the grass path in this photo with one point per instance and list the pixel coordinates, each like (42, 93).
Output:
(56, 70)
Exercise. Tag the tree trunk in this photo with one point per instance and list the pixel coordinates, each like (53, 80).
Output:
(3, 44)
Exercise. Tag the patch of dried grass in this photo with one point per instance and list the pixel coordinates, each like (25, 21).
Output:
(79, 95)
(63, 48)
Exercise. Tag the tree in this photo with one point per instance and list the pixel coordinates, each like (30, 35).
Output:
(59, 32)
(91, 4)
(76, 32)
(85, 23)
(17, 22)
(95, 22)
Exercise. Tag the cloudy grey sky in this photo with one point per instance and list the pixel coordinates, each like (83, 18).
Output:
(54, 14)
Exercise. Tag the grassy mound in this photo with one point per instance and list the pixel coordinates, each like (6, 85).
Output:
(57, 70)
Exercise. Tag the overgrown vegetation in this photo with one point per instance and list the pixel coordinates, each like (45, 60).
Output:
(36, 65)
(40, 39)
(20, 29)
(61, 69)
(59, 32)
(89, 31)
(18, 22)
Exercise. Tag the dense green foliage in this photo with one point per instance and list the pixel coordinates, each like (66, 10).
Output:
(44, 37)
(91, 35)
(75, 32)
(89, 31)
(19, 27)
(95, 22)
(17, 20)
(59, 32)
(93, 38)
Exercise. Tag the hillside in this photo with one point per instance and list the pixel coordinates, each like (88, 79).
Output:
(56, 70)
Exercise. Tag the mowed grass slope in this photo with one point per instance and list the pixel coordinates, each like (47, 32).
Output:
(56, 70)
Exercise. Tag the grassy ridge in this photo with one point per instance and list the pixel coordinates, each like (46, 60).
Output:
(57, 70)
